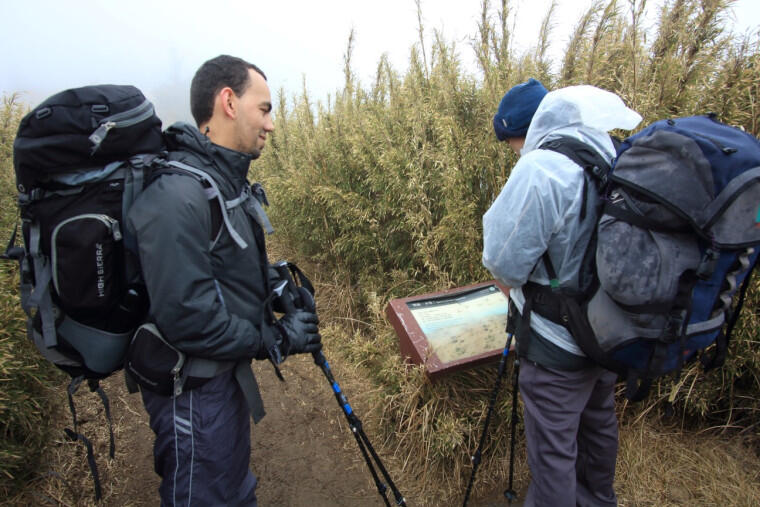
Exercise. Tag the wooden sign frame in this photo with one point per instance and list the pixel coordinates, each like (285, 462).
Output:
(414, 344)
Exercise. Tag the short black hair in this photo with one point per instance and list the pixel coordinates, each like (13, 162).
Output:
(212, 76)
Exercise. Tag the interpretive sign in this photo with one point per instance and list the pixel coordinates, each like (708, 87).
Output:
(453, 329)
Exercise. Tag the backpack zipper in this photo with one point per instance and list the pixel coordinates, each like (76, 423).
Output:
(120, 120)
(111, 224)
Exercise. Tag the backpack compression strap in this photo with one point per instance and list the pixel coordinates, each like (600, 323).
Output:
(40, 297)
(718, 357)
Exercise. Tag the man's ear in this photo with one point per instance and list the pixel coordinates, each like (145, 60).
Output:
(227, 102)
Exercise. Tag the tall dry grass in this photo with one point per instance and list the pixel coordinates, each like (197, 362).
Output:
(24, 405)
(386, 185)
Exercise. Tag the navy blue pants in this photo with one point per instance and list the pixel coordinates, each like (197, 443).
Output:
(571, 434)
(203, 445)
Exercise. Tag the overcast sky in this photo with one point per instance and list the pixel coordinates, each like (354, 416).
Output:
(157, 45)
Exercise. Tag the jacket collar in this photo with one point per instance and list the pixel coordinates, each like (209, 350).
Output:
(230, 164)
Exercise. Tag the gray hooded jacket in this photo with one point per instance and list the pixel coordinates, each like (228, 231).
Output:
(206, 294)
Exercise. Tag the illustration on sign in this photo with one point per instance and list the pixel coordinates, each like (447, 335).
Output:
(463, 325)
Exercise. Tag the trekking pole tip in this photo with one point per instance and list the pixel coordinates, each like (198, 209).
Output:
(510, 495)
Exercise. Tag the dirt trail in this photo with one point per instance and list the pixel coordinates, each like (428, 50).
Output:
(302, 451)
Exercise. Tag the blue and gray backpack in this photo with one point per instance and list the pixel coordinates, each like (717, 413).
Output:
(678, 236)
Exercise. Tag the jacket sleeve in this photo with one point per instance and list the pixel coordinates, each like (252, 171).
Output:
(171, 221)
(519, 225)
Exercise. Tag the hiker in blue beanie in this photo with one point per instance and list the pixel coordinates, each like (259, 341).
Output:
(537, 231)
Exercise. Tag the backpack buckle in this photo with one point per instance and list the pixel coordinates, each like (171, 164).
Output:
(707, 264)
(674, 326)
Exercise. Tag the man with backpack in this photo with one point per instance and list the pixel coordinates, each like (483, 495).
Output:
(206, 271)
(535, 236)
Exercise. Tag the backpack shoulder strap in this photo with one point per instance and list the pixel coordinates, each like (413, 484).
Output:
(219, 207)
(592, 163)
(582, 154)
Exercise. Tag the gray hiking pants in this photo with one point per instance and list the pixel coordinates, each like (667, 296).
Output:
(572, 435)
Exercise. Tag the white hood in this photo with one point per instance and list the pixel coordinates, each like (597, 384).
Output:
(583, 112)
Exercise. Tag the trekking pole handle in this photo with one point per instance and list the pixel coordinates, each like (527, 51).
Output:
(288, 289)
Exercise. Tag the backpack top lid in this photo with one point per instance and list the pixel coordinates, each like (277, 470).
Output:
(705, 172)
(81, 128)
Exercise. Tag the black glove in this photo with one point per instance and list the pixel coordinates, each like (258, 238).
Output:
(301, 333)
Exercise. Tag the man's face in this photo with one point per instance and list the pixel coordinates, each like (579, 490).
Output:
(254, 119)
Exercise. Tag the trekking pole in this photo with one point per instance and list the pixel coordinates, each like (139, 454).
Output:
(509, 493)
(301, 296)
(494, 394)
(361, 438)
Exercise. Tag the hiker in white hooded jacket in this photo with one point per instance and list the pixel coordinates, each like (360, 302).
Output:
(570, 422)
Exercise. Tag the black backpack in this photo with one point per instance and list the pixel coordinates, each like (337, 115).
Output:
(676, 241)
(81, 158)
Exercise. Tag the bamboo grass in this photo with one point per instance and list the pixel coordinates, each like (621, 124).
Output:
(388, 185)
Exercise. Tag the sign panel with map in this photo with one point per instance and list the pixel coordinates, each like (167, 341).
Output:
(453, 329)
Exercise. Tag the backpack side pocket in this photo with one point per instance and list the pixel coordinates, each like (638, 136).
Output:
(86, 262)
(153, 363)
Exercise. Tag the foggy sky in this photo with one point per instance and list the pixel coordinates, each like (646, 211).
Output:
(50, 45)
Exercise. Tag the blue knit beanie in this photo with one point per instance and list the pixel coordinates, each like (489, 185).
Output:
(517, 108)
